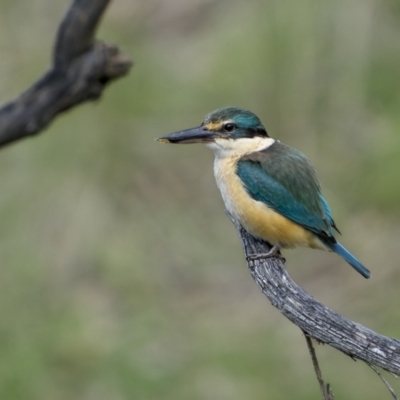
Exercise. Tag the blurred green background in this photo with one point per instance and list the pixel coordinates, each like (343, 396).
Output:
(121, 277)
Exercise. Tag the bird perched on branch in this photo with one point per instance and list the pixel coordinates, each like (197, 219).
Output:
(270, 188)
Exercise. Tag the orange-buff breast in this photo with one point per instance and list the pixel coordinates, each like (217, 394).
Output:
(256, 217)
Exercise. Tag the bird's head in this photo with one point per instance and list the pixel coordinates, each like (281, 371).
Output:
(224, 128)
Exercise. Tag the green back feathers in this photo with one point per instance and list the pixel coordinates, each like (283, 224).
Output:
(284, 179)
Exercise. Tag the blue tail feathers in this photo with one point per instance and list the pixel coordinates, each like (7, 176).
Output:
(339, 249)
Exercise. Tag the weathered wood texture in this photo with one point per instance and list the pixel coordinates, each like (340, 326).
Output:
(82, 66)
(317, 320)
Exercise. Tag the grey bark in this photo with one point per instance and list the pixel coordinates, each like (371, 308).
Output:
(315, 319)
(81, 68)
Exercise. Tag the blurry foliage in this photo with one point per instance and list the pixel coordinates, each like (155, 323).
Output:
(121, 277)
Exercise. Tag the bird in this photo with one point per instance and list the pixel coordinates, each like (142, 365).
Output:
(270, 188)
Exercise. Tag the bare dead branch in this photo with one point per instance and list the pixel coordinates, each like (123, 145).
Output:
(82, 67)
(76, 32)
(385, 382)
(317, 320)
(325, 390)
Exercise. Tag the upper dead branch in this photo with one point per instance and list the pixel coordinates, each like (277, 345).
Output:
(82, 66)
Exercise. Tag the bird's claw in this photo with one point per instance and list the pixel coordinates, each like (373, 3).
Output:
(273, 252)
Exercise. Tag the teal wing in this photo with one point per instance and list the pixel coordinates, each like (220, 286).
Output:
(284, 179)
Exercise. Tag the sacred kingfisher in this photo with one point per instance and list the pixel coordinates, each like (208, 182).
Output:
(270, 188)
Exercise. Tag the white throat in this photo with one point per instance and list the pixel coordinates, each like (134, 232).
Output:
(239, 147)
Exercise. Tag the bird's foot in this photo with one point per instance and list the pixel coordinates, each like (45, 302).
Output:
(273, 252)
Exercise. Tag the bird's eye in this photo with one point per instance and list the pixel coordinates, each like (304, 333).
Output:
(229, 127)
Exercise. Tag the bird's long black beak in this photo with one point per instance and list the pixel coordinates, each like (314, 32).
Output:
(193, 135)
